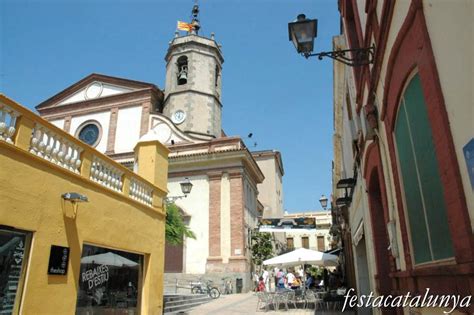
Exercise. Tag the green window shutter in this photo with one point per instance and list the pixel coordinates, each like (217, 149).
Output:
(414, 204)
(427, 163)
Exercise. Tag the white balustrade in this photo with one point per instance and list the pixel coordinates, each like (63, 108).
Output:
(58, 148)
(51, 146)
(141, 191)
(7, 123)
(106, 174)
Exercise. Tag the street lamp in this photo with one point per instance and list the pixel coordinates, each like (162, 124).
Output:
(186, 187)
(302, 33)
(324, 201)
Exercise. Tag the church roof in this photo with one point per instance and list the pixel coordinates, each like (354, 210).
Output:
(81, 84)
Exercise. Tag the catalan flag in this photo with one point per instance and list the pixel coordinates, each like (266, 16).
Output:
(183, 26)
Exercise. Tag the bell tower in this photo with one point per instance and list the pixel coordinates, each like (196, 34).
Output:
(193, 82)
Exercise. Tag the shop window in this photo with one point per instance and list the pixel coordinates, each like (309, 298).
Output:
(423, 192)
(13, 249)
(109, 282)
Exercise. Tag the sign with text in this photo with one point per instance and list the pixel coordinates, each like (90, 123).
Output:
(58, 260)
(287, 224)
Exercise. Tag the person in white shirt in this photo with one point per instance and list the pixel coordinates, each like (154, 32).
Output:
(255, 280)
(290, 277)
(265, 276)
(300, 273)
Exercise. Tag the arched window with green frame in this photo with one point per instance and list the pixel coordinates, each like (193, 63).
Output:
(422, 189)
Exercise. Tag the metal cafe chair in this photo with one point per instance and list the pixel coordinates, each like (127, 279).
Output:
(291, 299)
(265, 299)
(285, 298)
(317, 299)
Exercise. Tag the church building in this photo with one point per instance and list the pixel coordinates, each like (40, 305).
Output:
(112, 114)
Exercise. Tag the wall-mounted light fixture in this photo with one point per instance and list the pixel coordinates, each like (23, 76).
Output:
(74, 199)
(186, 187)
(346, 184)
(302, 33)
(343, 201)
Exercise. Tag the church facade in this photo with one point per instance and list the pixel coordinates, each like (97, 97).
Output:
(112, 114)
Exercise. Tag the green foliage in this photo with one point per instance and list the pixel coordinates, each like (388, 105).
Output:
(262, 248)
(315, 271)
(176, 229)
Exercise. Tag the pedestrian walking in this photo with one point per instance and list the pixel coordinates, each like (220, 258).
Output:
(255, 280)
(275, 273)
(261, 285)
(280, 279)
(265, 276)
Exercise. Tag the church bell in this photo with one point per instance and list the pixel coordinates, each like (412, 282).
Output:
(183, 75)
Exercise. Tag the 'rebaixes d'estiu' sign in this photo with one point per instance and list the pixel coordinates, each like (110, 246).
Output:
(284, 224)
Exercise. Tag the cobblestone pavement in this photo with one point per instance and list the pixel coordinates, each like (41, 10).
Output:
(246, 303)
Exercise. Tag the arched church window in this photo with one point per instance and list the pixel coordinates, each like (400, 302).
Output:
(182, 70)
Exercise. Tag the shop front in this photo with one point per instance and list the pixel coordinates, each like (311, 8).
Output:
(85, 239)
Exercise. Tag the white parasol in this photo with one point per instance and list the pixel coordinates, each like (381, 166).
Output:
(302, 256)
(109, 259)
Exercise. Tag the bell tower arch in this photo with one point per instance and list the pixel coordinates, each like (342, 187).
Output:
(193, 84)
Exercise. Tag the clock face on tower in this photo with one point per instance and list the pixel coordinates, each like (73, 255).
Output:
(178, 117)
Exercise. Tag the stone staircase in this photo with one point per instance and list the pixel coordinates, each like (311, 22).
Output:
(180, 303)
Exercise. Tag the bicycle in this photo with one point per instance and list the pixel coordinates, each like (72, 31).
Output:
(227, 287)
(212, 291)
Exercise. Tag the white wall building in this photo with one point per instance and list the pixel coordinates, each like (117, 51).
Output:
(112, 114)
(318, 239)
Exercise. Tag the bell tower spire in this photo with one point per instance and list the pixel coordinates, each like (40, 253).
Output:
(195, 22)
(193, 82)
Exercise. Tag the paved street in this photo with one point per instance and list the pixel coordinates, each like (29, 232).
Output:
(245, 303)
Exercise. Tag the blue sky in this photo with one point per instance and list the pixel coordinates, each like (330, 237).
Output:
(269, 90)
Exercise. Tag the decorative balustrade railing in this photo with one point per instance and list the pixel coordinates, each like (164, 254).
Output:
(55, 148)
(141, 191)
(28, 132)
(8, 118)
(106, 174)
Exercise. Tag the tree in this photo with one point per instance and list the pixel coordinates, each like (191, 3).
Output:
(176, 229)
(261, 247)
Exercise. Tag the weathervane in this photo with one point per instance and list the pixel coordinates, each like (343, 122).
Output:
(195, 20)
(194, 26)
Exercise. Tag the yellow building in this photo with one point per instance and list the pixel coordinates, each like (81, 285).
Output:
(79, 233)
